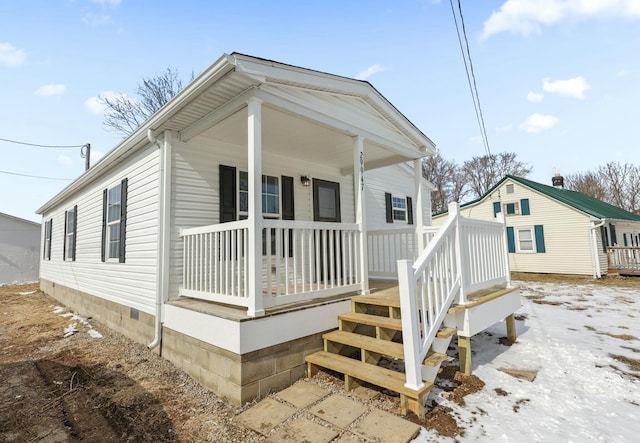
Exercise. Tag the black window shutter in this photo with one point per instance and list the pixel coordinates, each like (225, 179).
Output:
(50, 239)
(64, 239)
(104, 225)
(123, 218)
(539, 230)
(288, 208)
(496, 208)
(614, 240)
(511, 240)
(46, 236)
(524, 207)
(409, 211)
(227, 193)
(624, 238)
(388, 207)
(75, 233)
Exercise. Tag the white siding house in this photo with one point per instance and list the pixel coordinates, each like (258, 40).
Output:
(552, 229)
(232, 227)
(19, 250)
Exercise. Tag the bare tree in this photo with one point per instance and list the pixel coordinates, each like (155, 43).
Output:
(483, 172)
(446, 176)
(614, 183)
(125, 114)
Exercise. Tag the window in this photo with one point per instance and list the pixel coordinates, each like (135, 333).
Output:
(525, 239)
(270, 195)
(70, 226)
(510, 189)
(399, 208)
(511, 208)
(114, 218)
(48, 226)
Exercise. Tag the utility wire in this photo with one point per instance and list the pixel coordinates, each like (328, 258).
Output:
(472, 84)
(35, 176)
(42, 146)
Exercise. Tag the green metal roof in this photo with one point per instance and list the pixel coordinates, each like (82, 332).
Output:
(577, 200)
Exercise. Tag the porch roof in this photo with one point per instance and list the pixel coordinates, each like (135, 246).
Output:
(293, 96)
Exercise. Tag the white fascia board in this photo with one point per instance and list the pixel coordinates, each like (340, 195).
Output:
(139, 137)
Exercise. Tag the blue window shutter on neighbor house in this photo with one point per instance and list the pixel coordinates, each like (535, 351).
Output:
(511, 240)
(524, 206)
(539, 230)
(496, 208)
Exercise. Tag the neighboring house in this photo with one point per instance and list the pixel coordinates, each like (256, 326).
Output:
(555, 230)
(19, 250)
(230, 229)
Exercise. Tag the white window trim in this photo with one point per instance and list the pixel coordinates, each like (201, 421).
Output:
(393, 209)
(518, 210)
(517, 239)
(107, 237)
(271, 215)
(48, 239)
(68, 246)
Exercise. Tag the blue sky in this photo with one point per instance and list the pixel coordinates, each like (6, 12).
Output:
(558, 80)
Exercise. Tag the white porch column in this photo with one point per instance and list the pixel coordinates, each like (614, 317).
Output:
(254, 147)
(361, 212)
(419, 212)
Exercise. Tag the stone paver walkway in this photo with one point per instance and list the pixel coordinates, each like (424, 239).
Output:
(309, 413)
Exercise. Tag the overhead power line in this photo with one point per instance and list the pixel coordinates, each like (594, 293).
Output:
(471, 78)
(42, 146)
(35, 176)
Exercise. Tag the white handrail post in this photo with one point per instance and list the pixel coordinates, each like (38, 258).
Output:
(460, 251)
(505, 247)
(410, 325)
(254, 148)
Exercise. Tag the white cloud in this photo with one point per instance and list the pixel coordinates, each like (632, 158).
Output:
(51, 89)
(64, 160)
(96, 19)
(529, 16)
(539, 122)
(10, 56)
(108, 3)
(622, 73)
(94, 105)
(504, 128)
(95, 156)
(535, 97)
(373, 69)
(573, 87)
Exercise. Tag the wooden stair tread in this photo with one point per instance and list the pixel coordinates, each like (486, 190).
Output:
(372, 320)
(378, 300)
(446, 332)
(375, 375)
(482, 296)
(384, 347)
(433, 359)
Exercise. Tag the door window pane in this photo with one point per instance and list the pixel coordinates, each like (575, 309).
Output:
(327, 203)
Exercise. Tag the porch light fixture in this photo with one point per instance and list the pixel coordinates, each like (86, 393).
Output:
(305, 180)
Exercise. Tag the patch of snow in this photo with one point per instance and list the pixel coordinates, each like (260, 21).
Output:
(70, 330)
(27, 293)
(58, 309)
(94, 334)
(571, 335)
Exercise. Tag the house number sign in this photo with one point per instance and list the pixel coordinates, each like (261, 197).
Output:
(362, 171)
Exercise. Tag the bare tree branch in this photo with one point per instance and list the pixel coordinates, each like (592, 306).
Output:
(484, 172)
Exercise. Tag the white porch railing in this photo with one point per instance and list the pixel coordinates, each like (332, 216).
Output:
(624, 258)
(387, 246)
(300, 260)
(466, 255)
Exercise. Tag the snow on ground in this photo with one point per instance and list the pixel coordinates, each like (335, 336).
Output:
(582, 340)
(73, 327)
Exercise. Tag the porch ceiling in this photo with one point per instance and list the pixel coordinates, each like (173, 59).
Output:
(285, 134)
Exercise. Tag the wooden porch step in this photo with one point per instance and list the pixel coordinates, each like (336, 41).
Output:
(387, 300)
(372, 320)
(375, 375)
(446, 332)
(384, 347)
(433, 359)
(482, 296)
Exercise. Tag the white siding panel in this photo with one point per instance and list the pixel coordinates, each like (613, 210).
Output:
(132, 283)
